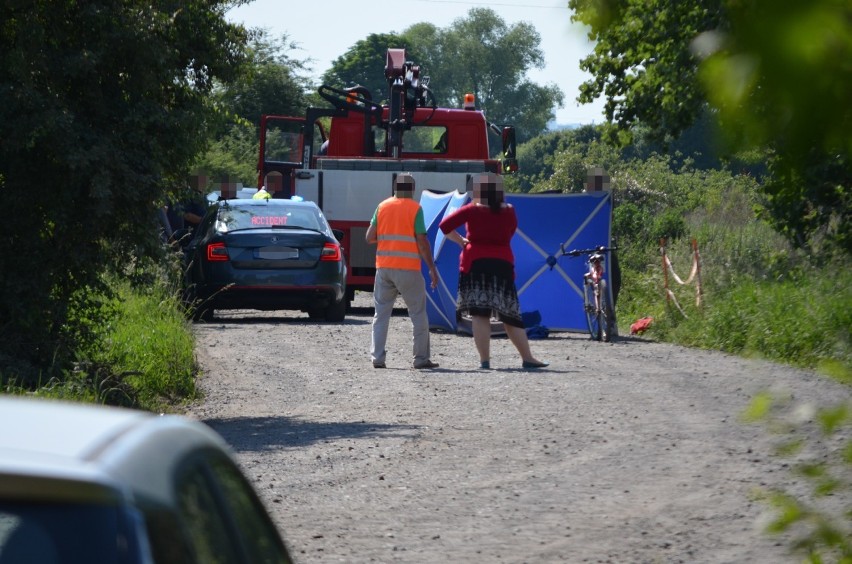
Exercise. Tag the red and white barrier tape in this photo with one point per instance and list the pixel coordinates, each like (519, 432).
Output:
(692, 273)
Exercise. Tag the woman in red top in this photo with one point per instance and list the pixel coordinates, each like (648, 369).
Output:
(487, 278)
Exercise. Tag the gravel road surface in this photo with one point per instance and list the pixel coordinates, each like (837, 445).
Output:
(626, 452)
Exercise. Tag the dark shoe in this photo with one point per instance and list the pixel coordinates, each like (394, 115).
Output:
(427, 364)
(531, 364)
(379, 365)
(485, 365)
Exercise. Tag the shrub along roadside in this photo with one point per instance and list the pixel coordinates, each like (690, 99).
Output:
(803, 320)
(143, 358)
(151, 344)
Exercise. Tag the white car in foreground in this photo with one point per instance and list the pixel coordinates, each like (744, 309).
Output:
(90, 484)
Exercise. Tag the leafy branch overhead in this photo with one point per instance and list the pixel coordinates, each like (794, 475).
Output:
(105, 105)
(775, 75)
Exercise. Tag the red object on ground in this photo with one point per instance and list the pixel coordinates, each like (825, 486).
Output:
(641, 325)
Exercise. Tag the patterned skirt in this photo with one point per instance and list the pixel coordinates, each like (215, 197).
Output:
(488, 290)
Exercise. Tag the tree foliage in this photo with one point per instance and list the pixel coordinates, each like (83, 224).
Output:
(478, 54)
(775, 74)
(536, 158)
(642, 63)
(104, 106)
(484, 56)
(273, 82)
(779, 76)
(232, 154)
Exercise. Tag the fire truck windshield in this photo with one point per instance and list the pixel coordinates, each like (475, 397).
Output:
(419, 139)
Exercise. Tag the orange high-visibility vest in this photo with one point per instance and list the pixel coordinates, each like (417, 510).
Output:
(397, 245)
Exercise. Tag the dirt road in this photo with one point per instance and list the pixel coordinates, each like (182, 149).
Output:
(624, 452)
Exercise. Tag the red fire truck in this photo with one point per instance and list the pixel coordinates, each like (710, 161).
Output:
(348, 167)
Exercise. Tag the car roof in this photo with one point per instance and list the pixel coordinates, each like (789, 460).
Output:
(268, 202)
(78, 452)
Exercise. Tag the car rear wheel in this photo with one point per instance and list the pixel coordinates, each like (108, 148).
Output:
(336, 312)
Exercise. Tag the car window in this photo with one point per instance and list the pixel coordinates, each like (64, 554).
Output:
(260, 536)
(207, 528)
(168, 543)
(233, 218)
(426, 139)
(22, 538)
(59, 533)
(303, 219)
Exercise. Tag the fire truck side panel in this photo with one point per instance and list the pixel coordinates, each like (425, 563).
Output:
(467, 136)
(468, 141)
(346, 136)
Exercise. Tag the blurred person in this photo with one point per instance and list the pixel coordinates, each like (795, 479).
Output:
(262, 194)
(398, 228)
(189, 212)
(227, 188)
(487, 268)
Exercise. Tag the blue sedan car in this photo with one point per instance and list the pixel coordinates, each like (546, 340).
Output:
(266, 254)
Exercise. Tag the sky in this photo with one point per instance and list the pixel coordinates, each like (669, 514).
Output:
(326, 29)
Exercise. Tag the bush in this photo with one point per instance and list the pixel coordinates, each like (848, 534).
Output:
(802, 320)
(143, 357)
(150, 347)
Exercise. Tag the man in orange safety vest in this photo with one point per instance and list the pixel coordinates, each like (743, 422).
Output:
(400, 232)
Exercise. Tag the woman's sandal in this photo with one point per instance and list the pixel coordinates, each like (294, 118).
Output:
(529, 364)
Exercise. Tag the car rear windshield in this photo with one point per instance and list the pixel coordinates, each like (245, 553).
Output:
(51, 533)
(247, 217)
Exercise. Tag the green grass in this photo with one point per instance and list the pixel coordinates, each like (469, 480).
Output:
(752, 305)
(151, 348)
(143, 357)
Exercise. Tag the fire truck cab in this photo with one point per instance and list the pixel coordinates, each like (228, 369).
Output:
(349, 169)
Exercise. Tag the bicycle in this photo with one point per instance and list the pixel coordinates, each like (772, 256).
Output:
(600, 314)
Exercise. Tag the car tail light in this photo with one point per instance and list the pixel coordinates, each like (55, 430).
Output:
(217, 252)
(330, 252)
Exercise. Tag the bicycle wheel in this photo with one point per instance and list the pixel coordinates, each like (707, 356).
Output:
(592, 319)
(607, 315)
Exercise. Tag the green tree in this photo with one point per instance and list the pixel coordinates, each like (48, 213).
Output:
(490, 60)
(570, 167)
(642, 63)
(104, 106)
(430, 51)
(232, 154)
(774, 73)
(779, 76)
(536, 157)
(479, 54)
(274, 82)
